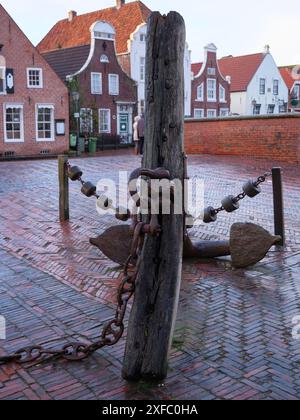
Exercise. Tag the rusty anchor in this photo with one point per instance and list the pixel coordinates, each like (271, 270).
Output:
(248, 244)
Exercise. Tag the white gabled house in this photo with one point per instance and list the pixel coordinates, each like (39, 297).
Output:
(257, 86)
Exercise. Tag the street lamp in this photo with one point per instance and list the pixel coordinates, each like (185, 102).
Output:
(76, 98)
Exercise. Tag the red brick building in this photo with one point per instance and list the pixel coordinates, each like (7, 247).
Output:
(108, 96)
(291, 76)
(34, 104)
(210, 89)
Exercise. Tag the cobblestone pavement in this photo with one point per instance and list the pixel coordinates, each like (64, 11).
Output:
(233, 336)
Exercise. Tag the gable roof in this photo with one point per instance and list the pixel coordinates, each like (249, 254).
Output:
(68, 61)
(288, 77)
(29, 46)
(125, 20)
(241, 69)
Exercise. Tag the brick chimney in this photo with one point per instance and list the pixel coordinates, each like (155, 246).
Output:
(71, 15)
(120, 3)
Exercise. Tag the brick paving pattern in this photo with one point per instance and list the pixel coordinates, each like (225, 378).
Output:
(233, 337)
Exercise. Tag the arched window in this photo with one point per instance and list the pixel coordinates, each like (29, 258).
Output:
(104, 59)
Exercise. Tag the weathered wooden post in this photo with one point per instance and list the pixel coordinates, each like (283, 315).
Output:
(64, 212)
(158, 284)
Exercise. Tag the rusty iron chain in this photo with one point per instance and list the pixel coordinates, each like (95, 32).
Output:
(112, 331)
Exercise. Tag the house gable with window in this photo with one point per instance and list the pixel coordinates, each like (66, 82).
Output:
(34, 109)
(108, 96)
(210, 89)
(257, 87)
(130, 22)
(291, 76)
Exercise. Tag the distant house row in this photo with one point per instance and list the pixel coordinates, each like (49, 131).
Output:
(88, 75)
(245, 85)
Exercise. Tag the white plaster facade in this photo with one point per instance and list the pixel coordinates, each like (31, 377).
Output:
(137, 50)
(243, 103)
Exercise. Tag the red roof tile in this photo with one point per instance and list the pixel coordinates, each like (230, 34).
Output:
(240, 69)
(125, 20)
(288, 77)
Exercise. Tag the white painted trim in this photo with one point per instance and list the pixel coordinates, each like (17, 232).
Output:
(92, 51)
(37, 107)
(41, 86)
(109, 113)
(212, 110)
(109, 84)
(131, 38)
(200, 99)
(222, 101)
(12, 105)
(101, 83)
(4, 81)
(86, 64)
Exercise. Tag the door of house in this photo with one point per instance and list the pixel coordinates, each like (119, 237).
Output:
(125, 123)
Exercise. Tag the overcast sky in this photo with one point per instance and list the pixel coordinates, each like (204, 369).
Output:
(237, 27)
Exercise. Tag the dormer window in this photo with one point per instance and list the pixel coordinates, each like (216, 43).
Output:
(104, 35)
(104, 59)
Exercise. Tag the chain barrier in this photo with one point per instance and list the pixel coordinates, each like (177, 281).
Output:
(113, 331)
(232, 203)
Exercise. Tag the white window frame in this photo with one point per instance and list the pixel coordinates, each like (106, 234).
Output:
(108, 131)
(11, 105)
(276, 81)
(214, 111)
(142, 69)
(40, 70)
(39, 106)
(104, 59)
(117, 92)
(214, 90)
(200, 98)
(93, 91)
(262, 82)
(211, 71)
(222, 94)
(4, 80)
(196, 110)
(223, 110)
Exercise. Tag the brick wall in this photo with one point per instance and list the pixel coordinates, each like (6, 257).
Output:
(274, 137)
(19, 54)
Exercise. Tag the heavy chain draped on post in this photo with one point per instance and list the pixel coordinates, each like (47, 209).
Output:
(114, 330)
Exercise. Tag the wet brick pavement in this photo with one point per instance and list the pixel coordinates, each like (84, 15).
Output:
(233, 336)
